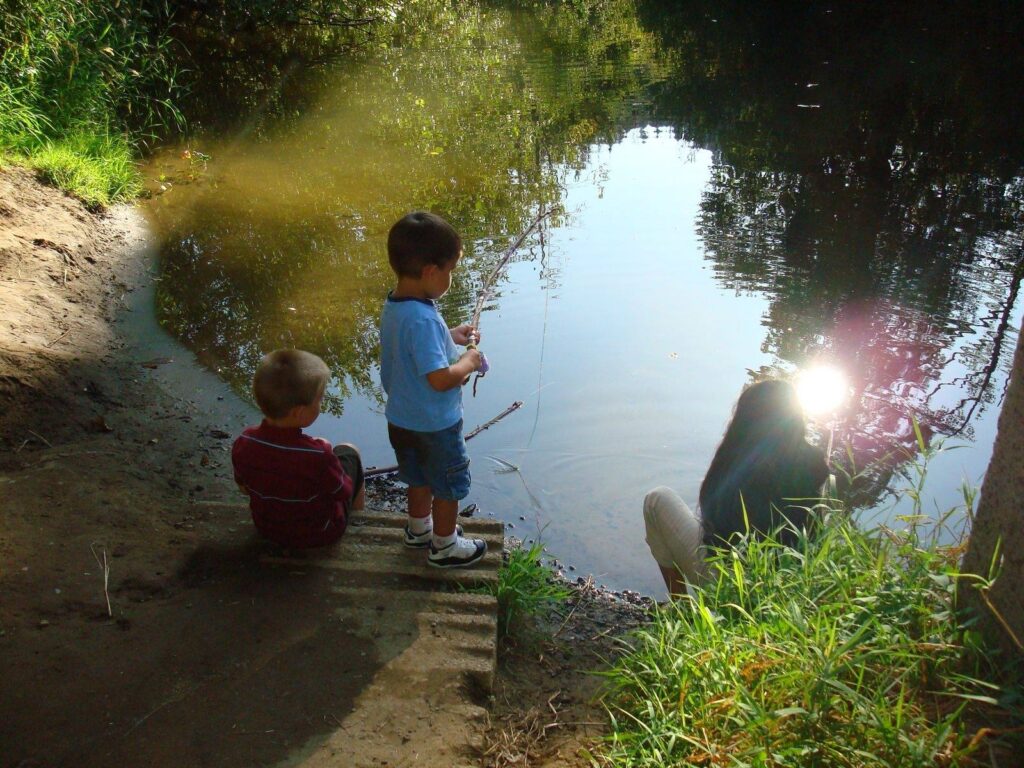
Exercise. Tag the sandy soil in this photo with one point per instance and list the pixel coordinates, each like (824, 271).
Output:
(135, 625)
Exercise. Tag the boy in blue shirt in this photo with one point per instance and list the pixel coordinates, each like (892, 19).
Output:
(422, 373)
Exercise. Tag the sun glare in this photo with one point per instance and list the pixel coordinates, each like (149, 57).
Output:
(821, 390)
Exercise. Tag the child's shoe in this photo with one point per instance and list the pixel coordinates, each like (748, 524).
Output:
(422, 540)
(461, 553)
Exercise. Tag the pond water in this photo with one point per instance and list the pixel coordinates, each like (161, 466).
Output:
(735, 194)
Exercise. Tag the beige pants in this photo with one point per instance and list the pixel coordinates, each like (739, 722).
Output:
(674, 534)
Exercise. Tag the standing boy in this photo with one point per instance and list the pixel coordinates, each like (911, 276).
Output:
(300, 488)
(422, 373)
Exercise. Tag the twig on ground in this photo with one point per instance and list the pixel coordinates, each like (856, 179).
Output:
(562, 625)
(551, 706)
(51, 343)
(105, 566)
(37, 435)
(513, 744)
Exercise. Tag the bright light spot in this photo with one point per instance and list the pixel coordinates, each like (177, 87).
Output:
(821, 390)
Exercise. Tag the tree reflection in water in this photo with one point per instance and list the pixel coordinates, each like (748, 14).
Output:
(866, 180)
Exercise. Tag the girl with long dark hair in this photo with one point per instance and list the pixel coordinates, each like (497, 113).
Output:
(763, 478)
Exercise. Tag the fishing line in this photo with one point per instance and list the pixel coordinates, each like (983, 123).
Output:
(486, 291)
(543, 342)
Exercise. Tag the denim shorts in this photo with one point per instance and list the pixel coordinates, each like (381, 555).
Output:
(435, 459)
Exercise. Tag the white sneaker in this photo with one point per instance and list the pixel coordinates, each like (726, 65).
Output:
(422, 540)
(459, 554)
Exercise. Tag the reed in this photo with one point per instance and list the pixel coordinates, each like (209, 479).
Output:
(847, 650)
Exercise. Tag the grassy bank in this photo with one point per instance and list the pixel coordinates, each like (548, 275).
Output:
(85, 84)
(846, 652)
(81, 84)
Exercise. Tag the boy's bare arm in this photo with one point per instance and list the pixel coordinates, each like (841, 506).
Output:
(454, 375)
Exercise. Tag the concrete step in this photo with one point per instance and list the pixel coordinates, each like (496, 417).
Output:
(472, 525)
(396, 599)
(433, 643)
(372, 551)
(393, 536)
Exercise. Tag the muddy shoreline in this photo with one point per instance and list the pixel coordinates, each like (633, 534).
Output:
(127, 553)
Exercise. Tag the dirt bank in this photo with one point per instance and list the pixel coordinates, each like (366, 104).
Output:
(132, 621)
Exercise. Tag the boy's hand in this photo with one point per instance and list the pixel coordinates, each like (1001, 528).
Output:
(464, 334)
(472, 356)
(456, 374)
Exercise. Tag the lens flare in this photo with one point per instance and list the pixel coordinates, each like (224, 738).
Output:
(821, 389)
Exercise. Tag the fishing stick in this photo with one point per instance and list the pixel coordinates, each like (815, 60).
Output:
(373, 472)
(485, 290)
(487, 287)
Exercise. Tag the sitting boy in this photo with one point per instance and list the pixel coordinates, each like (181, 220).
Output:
(300, 490)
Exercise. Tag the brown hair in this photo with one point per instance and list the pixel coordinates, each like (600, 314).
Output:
(287, 378)
(420, 238)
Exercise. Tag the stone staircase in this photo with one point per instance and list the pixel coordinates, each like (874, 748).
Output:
(435, 642)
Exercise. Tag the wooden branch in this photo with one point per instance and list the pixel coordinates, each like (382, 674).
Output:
(375, 471)
(485, 290)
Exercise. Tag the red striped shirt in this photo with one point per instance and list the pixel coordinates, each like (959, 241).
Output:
(298, 492)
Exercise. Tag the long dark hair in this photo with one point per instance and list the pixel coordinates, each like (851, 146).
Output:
(763, 456)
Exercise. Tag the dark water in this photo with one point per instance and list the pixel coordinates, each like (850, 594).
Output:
(740, 190)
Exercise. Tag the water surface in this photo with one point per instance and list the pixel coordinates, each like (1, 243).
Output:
(734, 197)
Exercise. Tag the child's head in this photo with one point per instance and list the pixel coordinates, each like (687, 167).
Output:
(420, 239)
(767, 430)
(287, 379)
(767, 422)
(769, 409)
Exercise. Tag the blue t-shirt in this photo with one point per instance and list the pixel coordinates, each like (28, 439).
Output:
(415, 341)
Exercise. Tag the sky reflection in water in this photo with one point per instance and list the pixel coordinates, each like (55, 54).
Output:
(676, 275)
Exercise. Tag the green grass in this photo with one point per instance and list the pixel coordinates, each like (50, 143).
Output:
(846, 651)
(98, 169)
(525, 586)
(81, 82)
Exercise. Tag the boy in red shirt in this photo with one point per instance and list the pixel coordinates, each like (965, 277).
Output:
(301, 490)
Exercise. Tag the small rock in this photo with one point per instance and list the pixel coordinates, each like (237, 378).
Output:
(43, 623)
